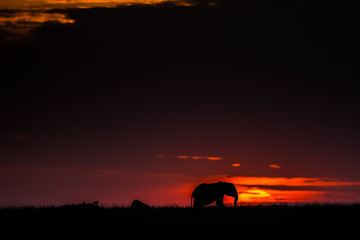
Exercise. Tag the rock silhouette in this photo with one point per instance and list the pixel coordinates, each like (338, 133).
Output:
(138, 205)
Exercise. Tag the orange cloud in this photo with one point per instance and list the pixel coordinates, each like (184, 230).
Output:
(211, 158)
(199, 157)
(106, 1)
(236, 164)
(46, 4)
(20, 24)
(275, 166)
(33, 18)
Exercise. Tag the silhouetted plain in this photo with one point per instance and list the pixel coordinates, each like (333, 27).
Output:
(256, 221)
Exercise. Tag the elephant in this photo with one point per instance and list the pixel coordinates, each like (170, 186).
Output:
(207, 193)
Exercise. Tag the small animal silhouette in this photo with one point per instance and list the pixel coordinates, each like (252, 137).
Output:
(207, 193)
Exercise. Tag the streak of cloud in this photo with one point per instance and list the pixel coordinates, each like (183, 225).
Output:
(211, 158)
(274, 166)
(20, 24)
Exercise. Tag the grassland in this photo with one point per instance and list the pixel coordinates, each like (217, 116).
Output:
(278, 221)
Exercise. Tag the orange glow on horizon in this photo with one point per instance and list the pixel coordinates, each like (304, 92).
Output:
(291, 181)
(280, 189)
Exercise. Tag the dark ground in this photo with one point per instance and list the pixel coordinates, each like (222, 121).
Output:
(171, 222)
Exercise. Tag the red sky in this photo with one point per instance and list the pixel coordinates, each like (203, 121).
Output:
(121, 105)
(61, 186)
(161, 151)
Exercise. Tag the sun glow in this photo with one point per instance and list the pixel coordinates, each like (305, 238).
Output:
(255, 195)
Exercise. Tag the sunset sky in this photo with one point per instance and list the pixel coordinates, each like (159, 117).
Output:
(119, 104)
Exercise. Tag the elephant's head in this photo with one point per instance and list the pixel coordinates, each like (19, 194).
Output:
(230, 190)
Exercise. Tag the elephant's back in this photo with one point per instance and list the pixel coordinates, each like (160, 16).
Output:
(201, 189)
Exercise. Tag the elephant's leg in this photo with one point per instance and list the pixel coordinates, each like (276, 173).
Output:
(197, 204)
(220, 202)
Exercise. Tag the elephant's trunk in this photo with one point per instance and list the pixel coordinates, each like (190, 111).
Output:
(236, 199)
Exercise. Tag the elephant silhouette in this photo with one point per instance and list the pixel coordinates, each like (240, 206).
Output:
(207, 193)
